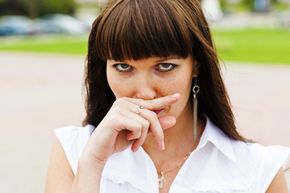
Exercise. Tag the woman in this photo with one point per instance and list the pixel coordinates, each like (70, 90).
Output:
(158, 114)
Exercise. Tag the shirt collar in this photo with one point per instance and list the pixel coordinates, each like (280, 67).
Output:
(219, 139)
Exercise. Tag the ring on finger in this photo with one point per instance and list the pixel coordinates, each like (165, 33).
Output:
(139, 109)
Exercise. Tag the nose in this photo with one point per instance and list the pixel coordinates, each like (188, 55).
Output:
(146, 89)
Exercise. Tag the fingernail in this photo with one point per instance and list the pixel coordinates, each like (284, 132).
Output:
(161, 145)
(130, 137)
(176, 95)
(134, 148)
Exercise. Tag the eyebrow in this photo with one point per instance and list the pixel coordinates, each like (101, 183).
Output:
(158, 60)
(167, 58)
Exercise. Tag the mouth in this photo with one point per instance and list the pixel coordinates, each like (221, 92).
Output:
(158, 111)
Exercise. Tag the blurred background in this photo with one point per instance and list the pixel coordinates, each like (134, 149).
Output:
(43, 46)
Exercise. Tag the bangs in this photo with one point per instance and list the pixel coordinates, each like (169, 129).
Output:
(137, 29)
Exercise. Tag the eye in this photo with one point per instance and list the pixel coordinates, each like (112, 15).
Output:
(165, 67)
(123, 67)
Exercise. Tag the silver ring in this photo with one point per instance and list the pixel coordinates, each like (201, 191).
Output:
(139, 109)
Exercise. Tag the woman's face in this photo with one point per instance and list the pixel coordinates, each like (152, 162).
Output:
(151, 78)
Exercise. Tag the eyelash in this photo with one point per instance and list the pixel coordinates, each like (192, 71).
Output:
(116, 66)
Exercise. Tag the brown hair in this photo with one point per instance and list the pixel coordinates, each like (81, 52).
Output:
(137, 29)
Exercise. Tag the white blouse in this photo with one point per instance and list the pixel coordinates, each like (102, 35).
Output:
(218, 165)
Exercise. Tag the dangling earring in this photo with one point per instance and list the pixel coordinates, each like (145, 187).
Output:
(195, 90)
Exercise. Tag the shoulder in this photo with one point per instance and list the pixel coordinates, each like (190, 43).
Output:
(67, 147)
(72, 132)
(73, 140)
(263, 162)
(261, 154)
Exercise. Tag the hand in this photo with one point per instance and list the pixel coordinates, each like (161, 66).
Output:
(123, 126)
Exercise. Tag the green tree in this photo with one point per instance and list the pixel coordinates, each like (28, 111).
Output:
(56, 6)
(9, 7)
(35, 8)
(249, 4)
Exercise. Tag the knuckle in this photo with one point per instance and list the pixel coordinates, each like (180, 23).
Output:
(160, 136)
(158, 133)
(139, 127)
(146, 124)
(137, 133)
(142, 140)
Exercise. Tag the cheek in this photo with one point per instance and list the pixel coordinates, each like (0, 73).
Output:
(179, 84)
(118, 88)
(116, 84)
(183, 86)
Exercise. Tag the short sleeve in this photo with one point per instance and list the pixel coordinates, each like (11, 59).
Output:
(274, 158)
(73, 140)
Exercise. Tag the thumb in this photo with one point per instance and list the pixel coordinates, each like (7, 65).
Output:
(167, 121)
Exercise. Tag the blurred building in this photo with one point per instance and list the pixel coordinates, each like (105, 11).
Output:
(212, 9)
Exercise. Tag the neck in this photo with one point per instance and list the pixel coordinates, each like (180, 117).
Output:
(178, 140)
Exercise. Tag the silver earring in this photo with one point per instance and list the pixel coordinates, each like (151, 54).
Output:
(195, 90)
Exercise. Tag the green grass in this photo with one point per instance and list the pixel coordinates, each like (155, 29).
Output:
(240, 7)
(281, 6)
(267, 46)
(254, 45)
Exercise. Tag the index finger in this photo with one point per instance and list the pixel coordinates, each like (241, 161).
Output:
(156, 104)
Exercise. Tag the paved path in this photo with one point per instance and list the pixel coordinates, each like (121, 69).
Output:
(43, 92)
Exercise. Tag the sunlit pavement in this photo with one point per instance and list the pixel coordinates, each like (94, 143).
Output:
(42, 92)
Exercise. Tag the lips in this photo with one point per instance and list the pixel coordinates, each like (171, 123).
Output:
(157, 111)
